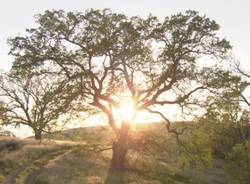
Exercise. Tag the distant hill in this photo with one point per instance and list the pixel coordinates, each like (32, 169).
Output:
(105, 132)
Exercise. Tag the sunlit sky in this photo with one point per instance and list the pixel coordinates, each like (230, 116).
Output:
(233, 16)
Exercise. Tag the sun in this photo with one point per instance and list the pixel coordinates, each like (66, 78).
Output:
(125, 111)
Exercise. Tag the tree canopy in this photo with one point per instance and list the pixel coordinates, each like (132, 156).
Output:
(113, 56)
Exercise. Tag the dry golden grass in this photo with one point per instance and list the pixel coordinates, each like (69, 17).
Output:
(69, 161)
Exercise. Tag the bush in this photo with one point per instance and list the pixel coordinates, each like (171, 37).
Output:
(10, 145)
(238, 163)
(196, 151)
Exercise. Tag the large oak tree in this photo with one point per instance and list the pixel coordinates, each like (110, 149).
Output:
(118, 58)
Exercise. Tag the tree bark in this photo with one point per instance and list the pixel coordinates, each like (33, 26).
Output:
(120, 149)
(38, 134)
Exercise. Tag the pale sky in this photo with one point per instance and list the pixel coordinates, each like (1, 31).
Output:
(232, 15)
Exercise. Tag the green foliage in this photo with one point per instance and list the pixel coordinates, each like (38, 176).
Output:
(226, 124)
(70, 43)
(224, 82)
(2, 178)
(238, 163)
(196, 151)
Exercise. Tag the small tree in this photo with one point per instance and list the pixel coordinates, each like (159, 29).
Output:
(35, 101)
(149, 63)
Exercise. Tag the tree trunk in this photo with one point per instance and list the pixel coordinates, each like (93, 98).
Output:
(38, 134)
(120, 148)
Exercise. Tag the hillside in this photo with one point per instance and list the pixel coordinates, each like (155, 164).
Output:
(75, 156)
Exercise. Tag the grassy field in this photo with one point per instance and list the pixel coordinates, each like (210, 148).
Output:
(74, 157)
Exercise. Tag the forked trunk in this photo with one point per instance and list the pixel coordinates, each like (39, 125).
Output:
(38, 134)
(120, 148)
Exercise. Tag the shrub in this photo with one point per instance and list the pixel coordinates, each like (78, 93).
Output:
(238, 163)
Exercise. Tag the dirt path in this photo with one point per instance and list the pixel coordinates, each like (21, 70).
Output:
(30, 179)
(56, 154)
